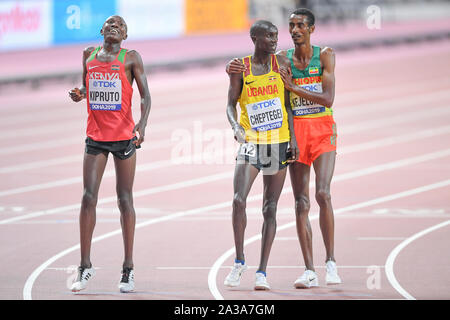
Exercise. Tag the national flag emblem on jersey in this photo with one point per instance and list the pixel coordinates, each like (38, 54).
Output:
(272, 78)
(115, 67)
(313, 70)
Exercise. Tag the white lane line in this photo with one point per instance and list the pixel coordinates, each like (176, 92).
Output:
(41, 146)
(107, 174)
(351, 129)
(380, 238)
(354, 110)
(228, 174)
(212, 276)
(61, 127)
(155, 190)
(386, 104)
(389, 266)
(32, 278)
(394, 120)
(41, 164)
(254, 267)
(384, 142)
(392, 140)
(57, 143)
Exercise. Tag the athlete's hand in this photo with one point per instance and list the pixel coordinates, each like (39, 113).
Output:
(235, 66)
(77, 95)
(140, 128)
(239, 133)
(286, 76)
(293, 150)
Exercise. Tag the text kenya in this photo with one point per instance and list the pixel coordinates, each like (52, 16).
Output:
(104, 76)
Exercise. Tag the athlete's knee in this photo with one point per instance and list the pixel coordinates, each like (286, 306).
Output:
(89, 199)
(323, 196)
(125, 203)
(239, 203)
(302, 205)
(270, 210)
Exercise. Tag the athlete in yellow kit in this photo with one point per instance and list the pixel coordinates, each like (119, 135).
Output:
(311, 83)
(264, 130)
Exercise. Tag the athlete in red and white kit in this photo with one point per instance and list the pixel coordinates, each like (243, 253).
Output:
(108, 74)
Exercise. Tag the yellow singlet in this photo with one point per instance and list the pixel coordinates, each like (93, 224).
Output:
(263, 113)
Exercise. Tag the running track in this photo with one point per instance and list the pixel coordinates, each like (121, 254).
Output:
(390, 191)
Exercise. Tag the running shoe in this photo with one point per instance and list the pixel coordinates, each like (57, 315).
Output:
(127, 280)
(234, 277)
(84, 275)
(307, 280)
(261, 282)
(332, 276)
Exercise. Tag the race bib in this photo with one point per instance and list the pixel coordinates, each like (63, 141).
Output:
(105, 94)
(302, 106)
(265, 115)
(248, 149)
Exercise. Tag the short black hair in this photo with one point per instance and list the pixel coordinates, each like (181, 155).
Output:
(306, 12)
(115, 15)
(259, 26)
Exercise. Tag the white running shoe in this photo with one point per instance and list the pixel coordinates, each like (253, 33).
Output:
(234, 277)
(332, 276)
(127, 280)
(84, 275)
(261, 282)
(307, 280)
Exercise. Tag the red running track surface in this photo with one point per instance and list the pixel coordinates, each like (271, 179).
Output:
(390, 190)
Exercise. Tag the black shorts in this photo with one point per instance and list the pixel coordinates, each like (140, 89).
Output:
(270, 158)
(121, 149)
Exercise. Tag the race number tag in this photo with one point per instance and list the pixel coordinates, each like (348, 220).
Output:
(302, 106)
(248, 149)
(105, 93)
(265, 115)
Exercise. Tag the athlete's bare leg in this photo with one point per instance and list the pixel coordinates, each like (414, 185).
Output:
(244, 176)
(324, 169)
(125, 170)
(300, 174)
(273, 184)
(93, 168)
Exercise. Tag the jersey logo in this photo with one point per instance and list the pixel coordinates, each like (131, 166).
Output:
(261, 91)
(313, 70)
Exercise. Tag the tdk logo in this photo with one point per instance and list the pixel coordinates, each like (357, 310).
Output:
(264, 104)
(104, 84)
(311, 87)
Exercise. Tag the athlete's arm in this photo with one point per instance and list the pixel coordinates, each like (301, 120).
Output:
(137, 71)
(78, 94)
(284, 63)
(293, 140)
(234, 91)
(326, 98)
